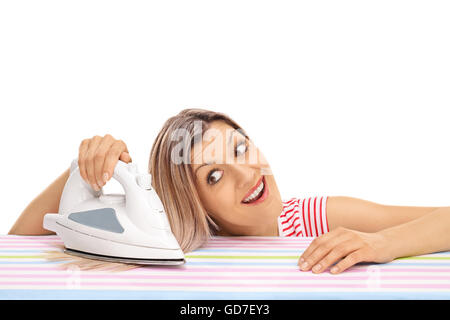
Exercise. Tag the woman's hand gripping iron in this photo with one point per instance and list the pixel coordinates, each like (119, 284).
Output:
(128, 228)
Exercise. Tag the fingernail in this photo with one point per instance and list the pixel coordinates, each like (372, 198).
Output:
(105, 177)
(95, 186)
(317, 267)
(304, 265)
(334, 270)
(301, 260)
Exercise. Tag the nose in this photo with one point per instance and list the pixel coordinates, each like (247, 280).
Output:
(245, 176)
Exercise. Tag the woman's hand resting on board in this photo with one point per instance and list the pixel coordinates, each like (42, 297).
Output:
(97, 158)
(347, 248)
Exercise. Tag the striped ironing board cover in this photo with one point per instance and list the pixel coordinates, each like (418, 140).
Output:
(225, 268)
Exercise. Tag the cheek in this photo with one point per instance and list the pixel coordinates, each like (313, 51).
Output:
(273, 187)
(219, 201)
(222, 198)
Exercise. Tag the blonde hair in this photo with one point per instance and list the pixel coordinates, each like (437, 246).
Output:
(174, 183)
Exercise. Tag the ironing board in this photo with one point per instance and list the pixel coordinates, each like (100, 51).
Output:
(224, 268)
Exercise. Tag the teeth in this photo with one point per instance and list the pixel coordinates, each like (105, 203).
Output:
(255, 193)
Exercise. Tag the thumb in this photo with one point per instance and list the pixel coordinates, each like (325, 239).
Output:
(125, 157)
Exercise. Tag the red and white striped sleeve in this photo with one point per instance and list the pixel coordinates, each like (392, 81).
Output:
(313, 213)
(303, 217)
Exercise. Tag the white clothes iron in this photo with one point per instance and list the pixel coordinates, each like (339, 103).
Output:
(128, 228)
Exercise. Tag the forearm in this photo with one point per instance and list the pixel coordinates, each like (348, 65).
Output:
(367, 216)
(427, 234)
(30, 221)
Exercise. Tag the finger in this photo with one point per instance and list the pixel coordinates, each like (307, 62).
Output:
(350, 260)
(84, 146)
(125, 157)
(319, 240)
(338, 252)
(89, 163)
(112, 156)
(316, 243)
(322, 250)
(99, 158)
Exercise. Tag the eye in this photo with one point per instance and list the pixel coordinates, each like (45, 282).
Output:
(241, 148)
(214, 176)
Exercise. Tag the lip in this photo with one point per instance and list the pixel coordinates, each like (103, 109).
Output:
(263, 196)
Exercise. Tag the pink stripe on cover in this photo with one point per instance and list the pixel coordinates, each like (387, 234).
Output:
(225, 265)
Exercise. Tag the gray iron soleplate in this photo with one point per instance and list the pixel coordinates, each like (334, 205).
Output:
(163, 262)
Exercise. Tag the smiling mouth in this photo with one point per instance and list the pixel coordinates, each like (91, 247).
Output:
(256, 193)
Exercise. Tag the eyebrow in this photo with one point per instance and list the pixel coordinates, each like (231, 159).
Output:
(202, 165)
(209, 163)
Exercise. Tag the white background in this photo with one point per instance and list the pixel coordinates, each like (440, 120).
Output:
(343, 97)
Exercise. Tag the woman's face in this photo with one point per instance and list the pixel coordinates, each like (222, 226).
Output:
(229, 171)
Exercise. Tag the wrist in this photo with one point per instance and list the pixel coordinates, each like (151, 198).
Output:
(393, 246)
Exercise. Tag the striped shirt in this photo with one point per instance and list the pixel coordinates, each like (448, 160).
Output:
(303, 217)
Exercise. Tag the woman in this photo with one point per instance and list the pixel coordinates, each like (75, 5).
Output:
(213, 180)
